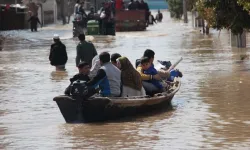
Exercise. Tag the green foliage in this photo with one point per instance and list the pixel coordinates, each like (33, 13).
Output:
(191, 4)
(229, 14)
(207, 13)
(245, 4)
(175, 8)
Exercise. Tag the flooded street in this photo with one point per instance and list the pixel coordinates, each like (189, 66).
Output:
(211, 110)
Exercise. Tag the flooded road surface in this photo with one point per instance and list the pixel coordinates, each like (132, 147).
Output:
(211, 110)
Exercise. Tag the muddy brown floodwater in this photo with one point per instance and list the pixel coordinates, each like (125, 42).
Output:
(211, 110)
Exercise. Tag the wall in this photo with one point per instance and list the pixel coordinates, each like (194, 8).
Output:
(48, 11)
(10, 20)
(9, 1)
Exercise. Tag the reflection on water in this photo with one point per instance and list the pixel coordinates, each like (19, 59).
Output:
(1, 43)
(59, 75)
(210, 110)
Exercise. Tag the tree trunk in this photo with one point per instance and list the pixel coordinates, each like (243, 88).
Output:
(207, 29)
(185, 11)
(203, 26)
(238, 40)
(63, 16)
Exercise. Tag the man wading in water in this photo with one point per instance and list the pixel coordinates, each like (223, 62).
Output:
(58, 55)
(85, 51)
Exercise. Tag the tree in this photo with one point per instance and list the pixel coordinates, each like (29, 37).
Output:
(175, 8)
(245, 4)
(230, 15)
(206, 13)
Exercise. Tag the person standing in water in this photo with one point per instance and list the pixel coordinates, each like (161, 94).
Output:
(58, 55)
(85, 51)
(34, 20)
(159, 16)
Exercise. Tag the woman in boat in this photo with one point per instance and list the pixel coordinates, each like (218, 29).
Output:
(95, 66)
(131, 79)
(114, 57)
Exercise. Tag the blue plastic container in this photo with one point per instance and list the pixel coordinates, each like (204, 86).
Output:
(173, 74)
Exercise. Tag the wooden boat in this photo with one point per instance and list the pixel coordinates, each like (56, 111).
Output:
(95, 109)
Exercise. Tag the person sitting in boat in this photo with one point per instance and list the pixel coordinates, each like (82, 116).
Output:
(137, 4)
(96, 65)
(91, 14)
(149, 69)
(132, 5)
(108, 77)
(149, 87)
(131, 79)
(84, 70)
(76, 8)
(144, 6)
(119, 5)
(114, 57)
(159, 16)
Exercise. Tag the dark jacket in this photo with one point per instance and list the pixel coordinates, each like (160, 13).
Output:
(144, 6)
(85, 52)
(78, 76)
(91, 16)
(34, 20)
(132, 6)
(58, 54)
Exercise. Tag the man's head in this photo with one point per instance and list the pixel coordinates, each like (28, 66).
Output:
(84, 68)
(92, 9)
(56, 38)
(142, 1)
(81, 37)
(159, 11)
(145, 63)
(114, 57)
(104, 57)
(150, 54)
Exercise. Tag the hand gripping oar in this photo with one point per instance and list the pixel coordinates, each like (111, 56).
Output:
(172, 67)
(175, 64)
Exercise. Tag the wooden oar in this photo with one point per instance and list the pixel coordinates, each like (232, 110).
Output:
(175, 64)
(172, 67)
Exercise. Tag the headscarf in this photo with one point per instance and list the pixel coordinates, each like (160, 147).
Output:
(129, 76)
(95, 66)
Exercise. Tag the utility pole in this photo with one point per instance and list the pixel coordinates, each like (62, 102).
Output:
(185, 11)
(95, 6)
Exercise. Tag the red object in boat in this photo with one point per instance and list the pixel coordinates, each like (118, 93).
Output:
(118, 4)
(7, 7)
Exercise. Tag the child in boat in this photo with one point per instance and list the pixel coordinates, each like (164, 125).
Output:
(150, 70)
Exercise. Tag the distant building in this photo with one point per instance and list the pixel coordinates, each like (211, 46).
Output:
(23, 9)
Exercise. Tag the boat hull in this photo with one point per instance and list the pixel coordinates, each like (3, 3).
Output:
(99, 109)
(103, 110)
